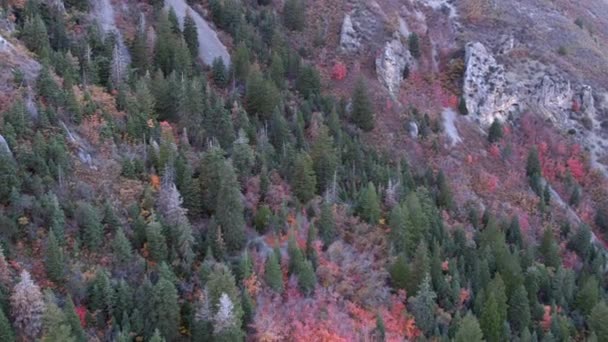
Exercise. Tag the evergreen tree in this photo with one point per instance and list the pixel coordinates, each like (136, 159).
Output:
(423, 306)
(519, 310)
(220, 76)
(27, 307)
(210, 178)
(308, 82)
(73, 320)
(191, 35)
(261, 96)
(588, 295)
(469, 330)
(307, 278)
(549, 249)
(121, 248)
(156, 337)
(419, 269)
(157, 245)
(327, 226)
(369, 204)
(495, 133)
(229, 210)
(54, 259)
(243, 157)
(304, 180)
(225, 324)
(324, 158)
(400, 273)
(165, 313)
(598, 321)
(414, 45)
(533, 163)
(273, 274)
(35, 36)
(164, 48)
(444, 197)
(92, 229)
(6, 331)
(294, 15)
(362, 112)
(8, 177)
(240, 63)
(277, 70)
(139, 51)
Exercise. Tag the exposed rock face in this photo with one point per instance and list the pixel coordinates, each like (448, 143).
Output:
(4, 148)
(391, 64)
(553, 97)
(350, 41)
(487, 94)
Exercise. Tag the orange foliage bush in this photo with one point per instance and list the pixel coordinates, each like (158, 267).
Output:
(338, 72)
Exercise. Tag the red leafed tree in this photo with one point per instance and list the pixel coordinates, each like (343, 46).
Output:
(338, 72)
(81, 311)
(576, 106)
(576, 167)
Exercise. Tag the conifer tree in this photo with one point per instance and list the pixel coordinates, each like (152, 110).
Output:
(220, 76)
(414, 45)
(400, 273)
(27, 307)
(35, 36)
(469, 330)
(362, 112)
(588, 295)
(225, 324)
(165, 313)
(164, 48)
(294, 15)
(156, 337)
(598, 321)
(495, 133)
(6, 331)
(157, 245)
(420, 267)
(308, 82)
(533, 163)
(444, 197)
(261, 96)
(491, 324)
(324, 158)
(277, 70)
(307, 279)
(549, 249)
(327, 226)
(54, 259)
(423, 306)
(229, 210)
(369, 204)
(56, 327)
(191, 35)
(92, 230)
(121, 248)
(241, 62)
(304, 180)
(519, 310)
(272, 274)
(210, 178)
(243, 157)
(73, 320)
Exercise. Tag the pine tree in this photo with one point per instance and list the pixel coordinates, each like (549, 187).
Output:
(241, 62)
(35, 36)
(56, 327)
(414, 45)
(304, 180)
(277, 70)
(229, 210)
(549, 249)
(27, 307)
(225, 324)
(210, 178)
(533, 163)
(170, 205)
(220, 76)
(362, 112)
(495, 133)
(598, 321)
(469, 330)
(165, 313)
(491, 324)
(156, 242)
(243, 157)
(444, 197)
(294, 15)
(519, 310)
(121, 248)
(273, 274)
(89, 220)
(6, 331)
(261, 96)
(54, 259)
(324, 158)
(308, 82)
(73, 320)
(423, 306)
(164, 48)
(139, 51)
(588, 295)
(191, 35)
(400, 273)
(369, 204)
(327, 226)
(307, 279)
(8, 177)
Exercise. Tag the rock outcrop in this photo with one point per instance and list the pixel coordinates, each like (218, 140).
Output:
(350, 41)
(487, 93)
(391, 64)
(4, 148)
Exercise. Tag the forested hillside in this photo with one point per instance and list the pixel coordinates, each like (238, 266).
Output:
(298, 170)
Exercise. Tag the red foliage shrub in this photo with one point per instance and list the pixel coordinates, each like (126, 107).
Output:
(338, 72)
(576, 106)
(576, 168)
(494, 151)
(81, 311)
